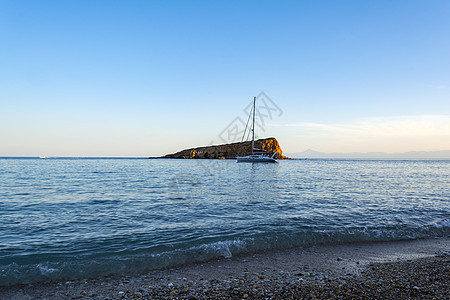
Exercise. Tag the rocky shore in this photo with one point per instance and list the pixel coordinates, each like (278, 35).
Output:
(396, 270)
(228, 151)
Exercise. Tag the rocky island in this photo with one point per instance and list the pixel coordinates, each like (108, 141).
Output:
(228, 151)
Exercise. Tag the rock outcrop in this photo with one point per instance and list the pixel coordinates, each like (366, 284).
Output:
(229, 151)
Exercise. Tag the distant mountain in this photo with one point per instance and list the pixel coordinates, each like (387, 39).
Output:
(444, 154)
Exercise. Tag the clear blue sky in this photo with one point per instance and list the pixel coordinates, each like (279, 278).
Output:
(143, 78)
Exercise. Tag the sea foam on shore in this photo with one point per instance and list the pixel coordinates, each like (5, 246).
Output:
(405, 269)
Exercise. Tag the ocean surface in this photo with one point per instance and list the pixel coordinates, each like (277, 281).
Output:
(80, 218)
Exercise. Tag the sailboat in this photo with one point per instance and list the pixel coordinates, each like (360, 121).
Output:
(258, 155)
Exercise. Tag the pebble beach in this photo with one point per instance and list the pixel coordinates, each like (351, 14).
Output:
(418, 269)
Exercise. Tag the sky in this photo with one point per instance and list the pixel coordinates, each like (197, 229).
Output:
(146, 78)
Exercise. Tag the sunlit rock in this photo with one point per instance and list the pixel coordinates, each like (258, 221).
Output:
(228, 151)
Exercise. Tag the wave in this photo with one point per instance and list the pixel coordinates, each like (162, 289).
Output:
(105, 264)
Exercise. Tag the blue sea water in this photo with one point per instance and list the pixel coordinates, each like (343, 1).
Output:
(77, 218)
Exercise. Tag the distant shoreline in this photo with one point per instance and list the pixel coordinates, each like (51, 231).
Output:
(410, 155)
(374, 159)
(71, 157)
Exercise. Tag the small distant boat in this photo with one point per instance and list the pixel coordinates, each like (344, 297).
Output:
(258, 155)
(42, 156)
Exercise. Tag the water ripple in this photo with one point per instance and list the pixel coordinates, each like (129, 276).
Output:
(63, 218)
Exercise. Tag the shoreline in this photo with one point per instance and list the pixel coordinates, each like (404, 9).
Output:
(358, 269)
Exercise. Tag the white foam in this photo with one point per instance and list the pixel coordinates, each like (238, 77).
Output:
(45, 270)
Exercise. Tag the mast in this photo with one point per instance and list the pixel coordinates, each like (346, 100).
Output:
(253, 127)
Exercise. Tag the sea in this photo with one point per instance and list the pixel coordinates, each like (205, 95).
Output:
(75, 218)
